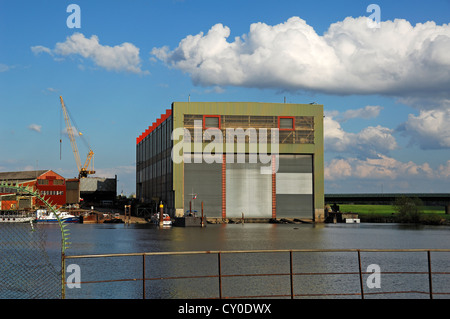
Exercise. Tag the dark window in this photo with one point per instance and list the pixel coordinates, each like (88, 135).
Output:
(286, 123)
(211, 122)
(43, 181)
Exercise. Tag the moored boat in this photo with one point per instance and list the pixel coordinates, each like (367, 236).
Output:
(42, 215)
(16, 217)
(167, 221)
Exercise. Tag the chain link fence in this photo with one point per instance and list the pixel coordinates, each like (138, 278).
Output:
(31, 256)
(30, 264)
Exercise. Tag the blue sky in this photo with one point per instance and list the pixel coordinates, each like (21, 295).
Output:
(385, 90)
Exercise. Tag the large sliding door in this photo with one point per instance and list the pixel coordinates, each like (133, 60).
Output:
(203, 183)
(294, 186)
(248, 191)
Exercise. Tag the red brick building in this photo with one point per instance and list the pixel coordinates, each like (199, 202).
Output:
(50, 184)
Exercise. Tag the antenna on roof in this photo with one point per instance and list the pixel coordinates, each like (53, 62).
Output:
(189, 98)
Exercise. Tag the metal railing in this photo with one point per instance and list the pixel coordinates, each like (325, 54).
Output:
(291, 274)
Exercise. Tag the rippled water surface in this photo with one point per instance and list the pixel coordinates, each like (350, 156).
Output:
(342, 278)
(120, 238)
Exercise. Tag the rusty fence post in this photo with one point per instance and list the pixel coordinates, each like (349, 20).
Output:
(63, 275)
(143, 276)
(220, 274)
(360, 275)
(430, 279)
(291, 275)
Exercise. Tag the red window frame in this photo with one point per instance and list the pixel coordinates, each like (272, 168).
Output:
(204, 122)
(287, 117)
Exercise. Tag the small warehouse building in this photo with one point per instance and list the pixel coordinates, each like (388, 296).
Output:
(98, 190)
(258, 160)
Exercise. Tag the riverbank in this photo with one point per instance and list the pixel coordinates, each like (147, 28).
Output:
(424, 219)
(366, 214)
(431, 215)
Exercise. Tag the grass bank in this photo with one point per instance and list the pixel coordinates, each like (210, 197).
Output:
(430, 215)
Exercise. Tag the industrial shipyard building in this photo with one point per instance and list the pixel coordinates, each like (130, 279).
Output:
(257, 160)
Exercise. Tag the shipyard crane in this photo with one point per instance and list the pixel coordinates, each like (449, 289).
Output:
(88, 167)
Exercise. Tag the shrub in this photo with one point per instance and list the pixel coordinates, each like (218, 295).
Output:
(408, 209)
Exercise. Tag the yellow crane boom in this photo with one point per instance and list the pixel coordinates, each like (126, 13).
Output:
(88, 167)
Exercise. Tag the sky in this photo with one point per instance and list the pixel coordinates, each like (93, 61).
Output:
(380, 68)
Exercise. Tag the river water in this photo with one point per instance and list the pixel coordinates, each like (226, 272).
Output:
(135, 238)
(92, 239)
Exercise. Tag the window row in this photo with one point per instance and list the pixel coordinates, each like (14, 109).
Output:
(52, 193)
(292, 129)
(283, 123)
(46, 182)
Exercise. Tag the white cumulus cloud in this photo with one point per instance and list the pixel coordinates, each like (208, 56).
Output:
(35, 127)
(430, 129)
(349, 58)
(123, 57)
(444, 170)
(40, 49)
(369, 142)
(367, 112)
(383, 167)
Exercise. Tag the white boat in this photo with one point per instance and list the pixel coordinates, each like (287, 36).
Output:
(42, 215)
(352, 220)
(16, 217)
(167, 221)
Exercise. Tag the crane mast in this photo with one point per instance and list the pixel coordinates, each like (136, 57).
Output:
(87, 168)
